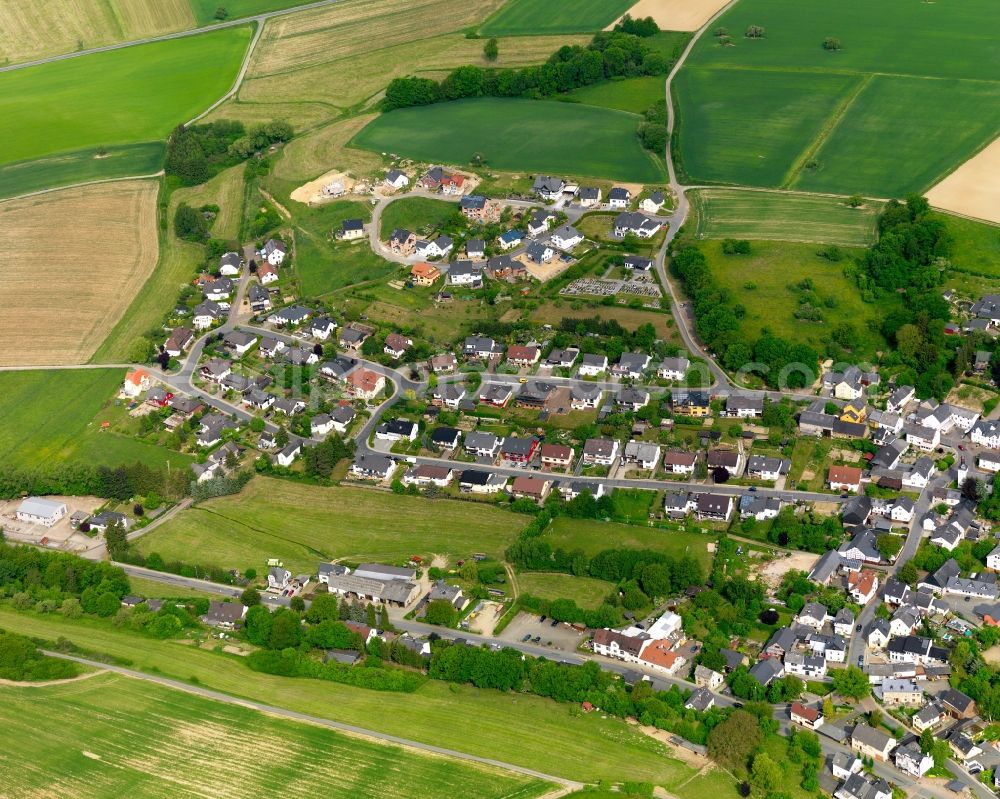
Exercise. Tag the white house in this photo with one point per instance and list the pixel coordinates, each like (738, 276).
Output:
(136, 382)
(566, 237)
(986, 433)
(274, 252)
(989, 461)
(288, 455)
(278, 578)
(653, 203)
(593, 365)
(619, 198)
(230, 264)
(673, 368)
(396, 179)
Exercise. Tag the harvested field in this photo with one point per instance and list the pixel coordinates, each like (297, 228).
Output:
(553, 16)
(38, 28)
(122, 737)
(974, 188)
(226, 191)
(347, 28)
(74, 260)
(677, 15)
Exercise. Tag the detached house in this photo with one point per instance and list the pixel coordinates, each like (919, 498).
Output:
(274, 251)
(871, 742)
(673, 368)
(365, 384)
(714, 507)
(600, 452)
(396, 345)
(548, 187)
(678, 462)
(519, 355)
(844, 478)
(593, 365)
(631, 365)
(636, 224)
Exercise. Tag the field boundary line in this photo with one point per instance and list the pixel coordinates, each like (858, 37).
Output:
(294, 715)
(238, 82)
(826, 132)
(155, 175)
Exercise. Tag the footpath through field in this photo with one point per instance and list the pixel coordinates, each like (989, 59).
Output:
(303, 717)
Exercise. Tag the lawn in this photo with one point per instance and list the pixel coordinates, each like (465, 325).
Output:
(750, 127)
(629, 318)
(323, 266)
(520, 729)
(104, 99)
(585, 591)
(303, 525)
(907, 98)
(55, 417)
(419, 214)
(119, 736)
(517, 17)
(518, 135)
(81, 166)
(631, 94)
(767, 284)
(594, 536)
(727, 213)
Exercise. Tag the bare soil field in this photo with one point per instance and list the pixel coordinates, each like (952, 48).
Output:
(73, 261)
(38, 28)
(312, 192)
(974, 188)
(676, 15)
(347, 28)
(774, 570)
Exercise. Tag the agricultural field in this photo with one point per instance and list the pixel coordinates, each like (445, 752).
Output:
(416, 214)
(678, 15)
(974, 188)
(74, 260)
(769, 285)
(38, 28)
(521, 729)
(175, 267)
(103, 100)
(632, 94)
(55, 417)
(118, 736)
(746, 127)
(303, 525)
(727, 213)
(585, 591)
(81, 166)
(883, 117)
(526, 17)
(975, 247)
(204, 10)
(359, 77)
(595, 536)
(629, 318)
(306, 157)
(518, 135)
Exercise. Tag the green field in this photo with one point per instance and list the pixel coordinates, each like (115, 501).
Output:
(518, 135)
(118, 737)
(766, 283)
(303, 525)
(631, 94)
(593, 537)
(204, 10)
(517, 728)
(728, 213)
(908, 97)
(903, 134)
(51, 417)
(749, 127)
(976, 247)
(415, 213)
(104, 100)
(81, 166)
(530, 17)
(585, 591)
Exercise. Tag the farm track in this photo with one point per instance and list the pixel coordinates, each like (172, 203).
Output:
(351, 729)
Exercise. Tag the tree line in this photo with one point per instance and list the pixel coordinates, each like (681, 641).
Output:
(83, 479)
(611, 54)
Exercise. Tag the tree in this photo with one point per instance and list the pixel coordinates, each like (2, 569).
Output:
(285, 629)
(731, 742)
(189, 224)
(832, 45)
(490, 50)
(720, 32)
(250, 597)
(908, 573)
(720, 474)
(755, 32)
(851, 683)
(855, 201)
(257, 625)
(766, 774)
(442, 612)
(297, 603)
(221, 13)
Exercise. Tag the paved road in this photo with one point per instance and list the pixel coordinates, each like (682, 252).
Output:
(293, 715)
(260, 19)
